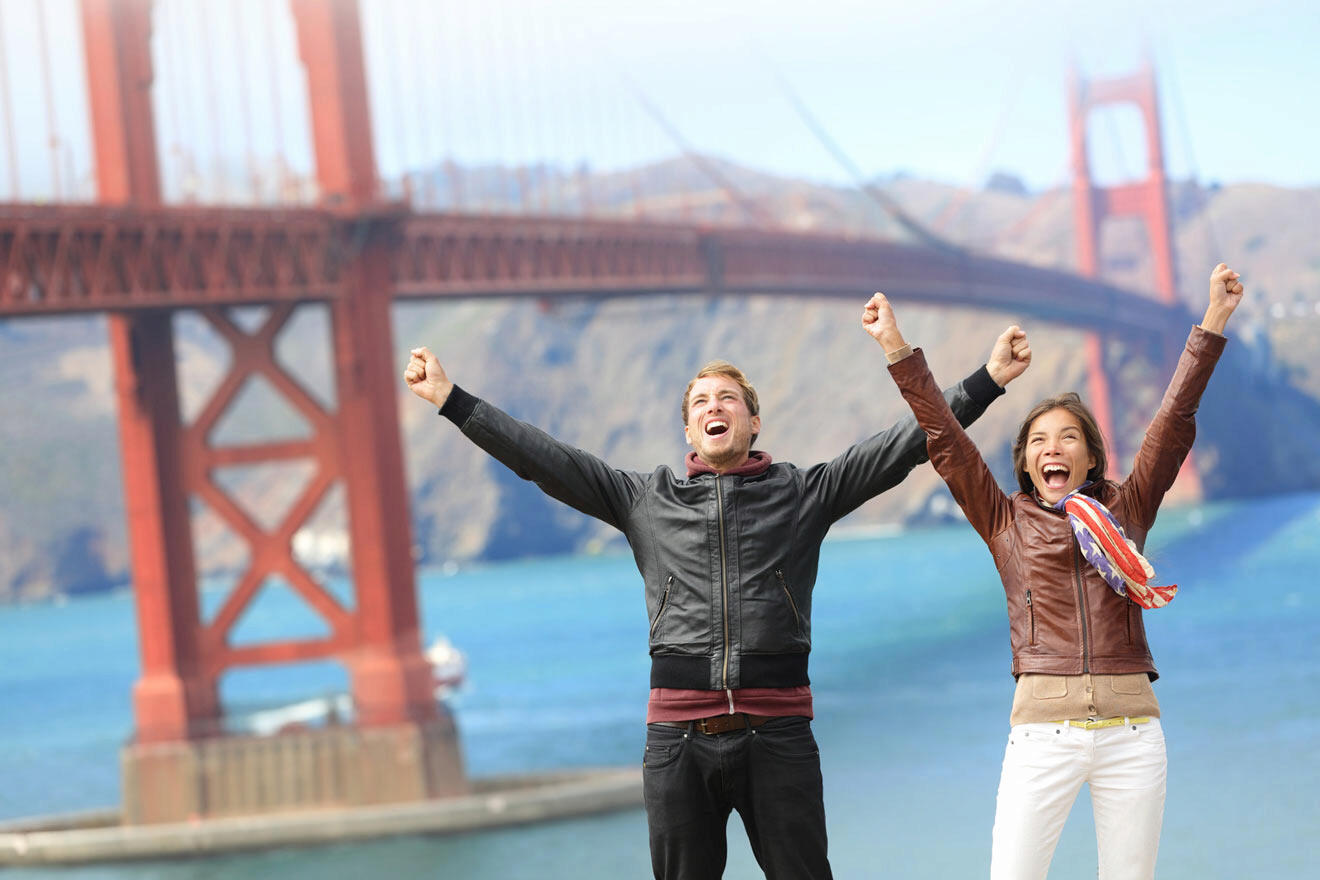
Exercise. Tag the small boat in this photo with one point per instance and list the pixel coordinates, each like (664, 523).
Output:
(449, 670)
(448, 665)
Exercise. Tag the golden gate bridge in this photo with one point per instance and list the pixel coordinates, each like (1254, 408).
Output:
(144, 246)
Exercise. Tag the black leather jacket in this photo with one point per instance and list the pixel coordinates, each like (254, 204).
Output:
(728, 562)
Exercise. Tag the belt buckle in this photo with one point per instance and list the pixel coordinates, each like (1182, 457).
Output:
(716, 724)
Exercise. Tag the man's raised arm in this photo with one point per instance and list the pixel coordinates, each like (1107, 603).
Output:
(565, 473)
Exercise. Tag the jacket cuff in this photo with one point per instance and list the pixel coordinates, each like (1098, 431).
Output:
(1206, 341)
(458, 406)
(981, 388)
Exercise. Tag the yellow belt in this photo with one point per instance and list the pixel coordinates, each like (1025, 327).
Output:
(1097, 723)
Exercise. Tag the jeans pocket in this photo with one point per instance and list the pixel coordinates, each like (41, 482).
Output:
(790, 740)
(661, 751)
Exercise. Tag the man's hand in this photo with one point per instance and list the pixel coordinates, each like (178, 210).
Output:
(878, 320)
(426, 378)
(1225, 295)
(1010, 357)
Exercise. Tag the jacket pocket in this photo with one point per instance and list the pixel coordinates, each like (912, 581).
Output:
(664, 605)
(783, 583)
(1031, 618)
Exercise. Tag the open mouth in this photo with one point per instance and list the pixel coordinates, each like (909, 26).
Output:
(1055, 475)
(716, 427)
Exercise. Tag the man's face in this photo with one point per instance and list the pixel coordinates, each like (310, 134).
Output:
(1057, 457)
(720, 427)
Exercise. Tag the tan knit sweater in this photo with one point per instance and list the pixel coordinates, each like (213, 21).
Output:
(1043, 698)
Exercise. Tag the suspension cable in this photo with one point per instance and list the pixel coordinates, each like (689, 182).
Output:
(11, 148)
(749, 206)
(245, 99)
(53, 138)
(877, 195)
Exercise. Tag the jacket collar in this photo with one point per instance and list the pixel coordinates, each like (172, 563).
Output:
(757, 463)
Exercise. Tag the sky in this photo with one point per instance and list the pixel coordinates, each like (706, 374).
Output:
(947, 91)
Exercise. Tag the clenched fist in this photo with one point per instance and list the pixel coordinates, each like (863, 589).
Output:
(426, 378)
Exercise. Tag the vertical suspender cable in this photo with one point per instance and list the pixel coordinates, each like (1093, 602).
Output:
(522, 86)
(428, 93)
(53, 137)
(190, 166)
(579, 145)
(393, 36)
(462, 93)
(452, 96)
(955, 201)
(283, 190)
(11, 148)
(403, 62)
(245, 99)
(558, 169)
(542, 62)
(497, 129)
(609, 172)
(219, 182)
(607, 179)
(630, 144)
(167, 90)
(1211, 239)
(550, 41)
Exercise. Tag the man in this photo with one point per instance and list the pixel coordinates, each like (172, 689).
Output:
(728, 553)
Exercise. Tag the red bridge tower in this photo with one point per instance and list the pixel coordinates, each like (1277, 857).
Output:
(179, 763)
(1146, 199)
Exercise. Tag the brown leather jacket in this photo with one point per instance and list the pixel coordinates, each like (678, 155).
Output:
(1063, 618)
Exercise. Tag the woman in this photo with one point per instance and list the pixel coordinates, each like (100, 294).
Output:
(1076, 586)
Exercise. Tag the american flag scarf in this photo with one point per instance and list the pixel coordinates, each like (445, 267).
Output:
(1106, 547)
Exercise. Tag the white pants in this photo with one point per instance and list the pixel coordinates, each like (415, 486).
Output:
(1044, 768)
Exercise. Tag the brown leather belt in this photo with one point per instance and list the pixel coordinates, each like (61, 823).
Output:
(719, 723)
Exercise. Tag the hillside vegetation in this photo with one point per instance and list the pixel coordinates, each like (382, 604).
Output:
(608, 377)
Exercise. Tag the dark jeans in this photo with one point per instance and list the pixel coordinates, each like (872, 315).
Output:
(769, 774)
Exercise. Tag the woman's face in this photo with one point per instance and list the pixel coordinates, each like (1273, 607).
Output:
(1057, 458)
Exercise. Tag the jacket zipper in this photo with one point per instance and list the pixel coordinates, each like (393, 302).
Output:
(797, 618)
(1081, 606)
(664, 600)
(724, 590)
(1031, 616)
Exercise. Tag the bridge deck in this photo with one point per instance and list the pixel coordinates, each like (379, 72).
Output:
(89, 258)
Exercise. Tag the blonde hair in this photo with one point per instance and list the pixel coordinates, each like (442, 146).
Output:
(728, 370)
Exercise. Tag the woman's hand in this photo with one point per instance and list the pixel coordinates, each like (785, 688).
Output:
(1225, 294)
(878, 320)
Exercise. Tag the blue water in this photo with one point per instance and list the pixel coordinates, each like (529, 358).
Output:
(912, 690)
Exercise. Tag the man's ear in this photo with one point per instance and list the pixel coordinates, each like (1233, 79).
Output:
(687, 435)
(756, 424)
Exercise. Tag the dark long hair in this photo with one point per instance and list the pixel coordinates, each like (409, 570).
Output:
(1095, 441)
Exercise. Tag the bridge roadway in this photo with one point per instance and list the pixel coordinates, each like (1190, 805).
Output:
(64, 259)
